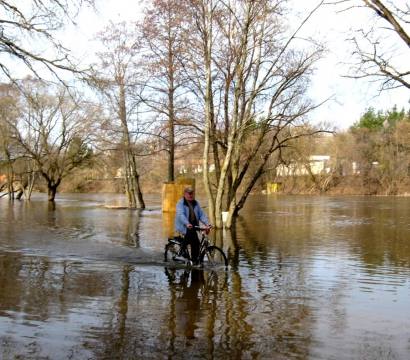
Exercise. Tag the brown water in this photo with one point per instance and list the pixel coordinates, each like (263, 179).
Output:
(309, 278)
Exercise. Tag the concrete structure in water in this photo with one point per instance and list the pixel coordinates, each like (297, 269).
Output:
(171, 193)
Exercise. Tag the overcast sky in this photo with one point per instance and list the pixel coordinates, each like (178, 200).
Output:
(350, 97)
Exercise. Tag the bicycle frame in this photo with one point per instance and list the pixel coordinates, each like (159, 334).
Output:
(203, 244)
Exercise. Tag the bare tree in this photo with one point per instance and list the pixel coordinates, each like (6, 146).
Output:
(253, 79)
(382, 49)
(164, 91)
(116, 79)
(27, 32)
(8, 115)
(53, 130)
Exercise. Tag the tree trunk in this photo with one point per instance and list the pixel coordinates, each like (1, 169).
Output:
(10, 178)
(171, 113)
(136, 185)
(132, 185)
(207, 182)
(221, 183)
(20, 190)
(232, 214)
(28, 190)
(209, 114)
(52, 190)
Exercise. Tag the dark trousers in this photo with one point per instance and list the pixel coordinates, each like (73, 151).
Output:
(191, 238)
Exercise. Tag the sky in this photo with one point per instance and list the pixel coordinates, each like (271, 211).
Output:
(349, 97)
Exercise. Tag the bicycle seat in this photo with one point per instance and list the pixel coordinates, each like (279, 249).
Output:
(176, 239)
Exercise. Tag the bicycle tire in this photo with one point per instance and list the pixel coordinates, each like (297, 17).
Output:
(214, 256)
(171, 250)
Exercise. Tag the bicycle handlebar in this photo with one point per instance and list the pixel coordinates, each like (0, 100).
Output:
(202, 228)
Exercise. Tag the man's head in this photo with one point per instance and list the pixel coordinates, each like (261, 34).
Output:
(189, 193)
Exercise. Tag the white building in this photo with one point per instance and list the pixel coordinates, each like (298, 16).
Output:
(318, 164)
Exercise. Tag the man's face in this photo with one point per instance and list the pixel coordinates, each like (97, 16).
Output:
(189, 196)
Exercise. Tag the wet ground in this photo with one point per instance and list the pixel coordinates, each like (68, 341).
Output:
(308, 278)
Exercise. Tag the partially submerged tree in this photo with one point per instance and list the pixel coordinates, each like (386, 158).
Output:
(116, 78)
(8, 115)
(251, 76)
(53, 130)
(163, 89)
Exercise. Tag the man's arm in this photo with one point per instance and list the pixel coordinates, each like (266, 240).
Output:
(180, 214)
(202, 216)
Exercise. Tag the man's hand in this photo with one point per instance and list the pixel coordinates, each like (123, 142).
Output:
(189, 226)
(208, 228)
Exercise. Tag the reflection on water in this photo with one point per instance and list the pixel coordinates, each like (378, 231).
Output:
(309, 278)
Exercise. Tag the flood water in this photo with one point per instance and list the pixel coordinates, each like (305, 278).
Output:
(308, 278)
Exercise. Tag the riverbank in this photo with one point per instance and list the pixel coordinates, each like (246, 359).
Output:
(300, 185)
(346, 185)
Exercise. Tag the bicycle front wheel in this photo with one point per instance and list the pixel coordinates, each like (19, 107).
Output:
(214, 256)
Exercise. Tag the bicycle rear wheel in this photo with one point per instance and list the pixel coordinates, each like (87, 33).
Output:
(171, 251)
(214, 256)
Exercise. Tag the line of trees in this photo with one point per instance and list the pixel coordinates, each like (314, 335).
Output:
(371, 157)
(231, 75)
(382, 150)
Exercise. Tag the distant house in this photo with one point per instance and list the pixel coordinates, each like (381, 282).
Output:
(120, 173)
(189, 160)
(191, 166)
(317, 164)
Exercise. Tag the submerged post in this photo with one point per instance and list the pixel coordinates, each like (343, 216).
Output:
(171, 193)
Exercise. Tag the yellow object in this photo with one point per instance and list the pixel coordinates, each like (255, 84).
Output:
(171, 193)
(272, 188)
(168, 219)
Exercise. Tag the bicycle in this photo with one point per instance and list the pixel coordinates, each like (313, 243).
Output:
(176, 250)
(211, 282)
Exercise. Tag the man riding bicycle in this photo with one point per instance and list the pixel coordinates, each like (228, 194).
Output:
(188, 215)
